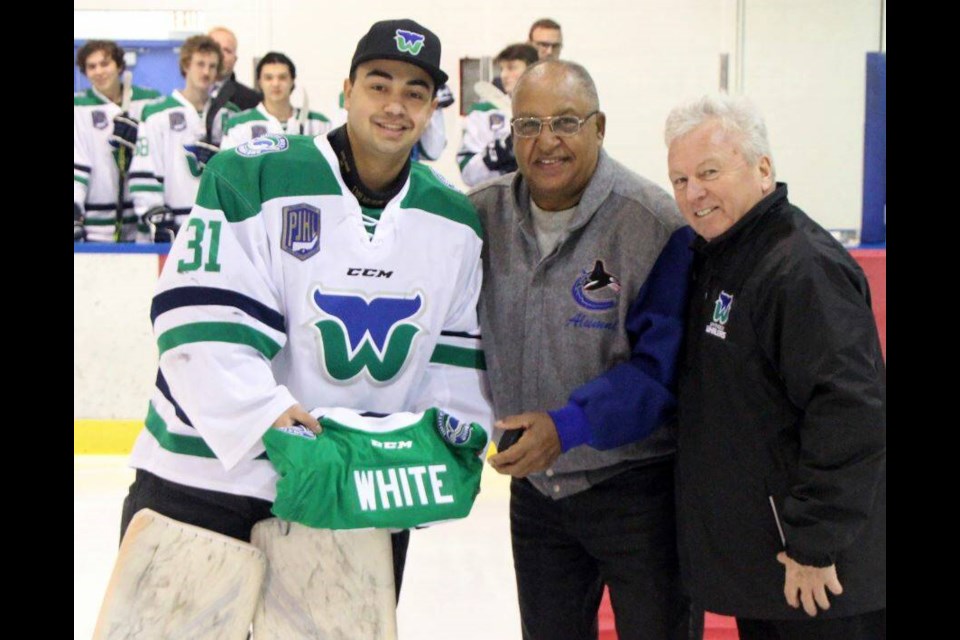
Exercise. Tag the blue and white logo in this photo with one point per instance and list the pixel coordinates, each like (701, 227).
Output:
(596, 290)
(453, 431)
(265, 144)
(257, 130)
(298, 430)
(497, 120)
(301, 231)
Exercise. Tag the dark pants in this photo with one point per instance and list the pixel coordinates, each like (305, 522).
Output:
(224, 513)
(866, 626)
(622, 533)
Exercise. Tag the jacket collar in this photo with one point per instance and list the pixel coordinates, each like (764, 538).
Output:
(744, 224)
(597, 191)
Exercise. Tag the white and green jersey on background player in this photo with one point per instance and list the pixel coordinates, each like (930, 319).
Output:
(274, 294)
(484, 124)
(96, 178)
(257, 122)
(162, 172)
(389, 472)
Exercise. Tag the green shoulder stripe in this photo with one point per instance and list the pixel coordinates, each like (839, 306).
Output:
(168, 103)
(481, 106)
(217, 332)
(142, 93)
(250, 115)
(313, 115)
(434, 195)
(239, 184)
(86, 99)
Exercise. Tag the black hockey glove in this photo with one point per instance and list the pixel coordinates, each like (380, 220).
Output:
(162, 222)
(79, 235)
(499, 155)
(201, 152)
(445, 96)
(124, 140)
(124, 132)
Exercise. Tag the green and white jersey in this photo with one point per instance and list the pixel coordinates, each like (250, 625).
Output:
(274, 294)
(484, 124)
(398, 471)
(257, 122)
(162, 172)
(96, 179)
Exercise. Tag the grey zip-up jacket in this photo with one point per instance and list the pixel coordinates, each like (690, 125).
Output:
(590, 332)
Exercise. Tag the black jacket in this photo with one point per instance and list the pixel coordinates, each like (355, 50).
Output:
(244, 97)
(783, 394)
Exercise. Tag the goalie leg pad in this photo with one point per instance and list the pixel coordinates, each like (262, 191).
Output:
(321, 583)
(175, 580)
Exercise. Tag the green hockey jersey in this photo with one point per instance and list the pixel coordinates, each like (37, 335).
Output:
(397, 471)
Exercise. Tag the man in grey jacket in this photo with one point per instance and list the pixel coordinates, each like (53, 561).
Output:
(586, 266)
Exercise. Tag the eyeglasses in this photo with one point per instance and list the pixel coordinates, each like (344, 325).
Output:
(548, 45)
(561, 126)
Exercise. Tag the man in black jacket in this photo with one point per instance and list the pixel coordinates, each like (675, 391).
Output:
(242, 95)
(782, 398)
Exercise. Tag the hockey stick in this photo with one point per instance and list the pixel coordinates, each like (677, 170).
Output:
(486, 91)
(126, 98)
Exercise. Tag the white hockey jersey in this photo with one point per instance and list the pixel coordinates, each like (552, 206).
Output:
(162, 172)
(274, 293)
(484, 124)
(96, 179)
(257, 122)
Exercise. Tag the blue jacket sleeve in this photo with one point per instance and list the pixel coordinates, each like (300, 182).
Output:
(632, 399)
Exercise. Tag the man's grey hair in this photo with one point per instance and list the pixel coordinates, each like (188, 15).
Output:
(737, 115)
(579, 73)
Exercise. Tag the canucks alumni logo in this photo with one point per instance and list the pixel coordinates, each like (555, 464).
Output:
(360, 335)
(596, 290)
(409, 42)
(301, 231)
(721, 313)
(452, 430)
(265, 144)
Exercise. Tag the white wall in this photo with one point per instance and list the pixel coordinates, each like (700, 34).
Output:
(114, 354)
(803, 63)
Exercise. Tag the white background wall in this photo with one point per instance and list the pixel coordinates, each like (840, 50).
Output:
(803, 62)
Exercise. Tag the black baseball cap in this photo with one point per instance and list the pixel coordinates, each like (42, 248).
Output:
(404, 40)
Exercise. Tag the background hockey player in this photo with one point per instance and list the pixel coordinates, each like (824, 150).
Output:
(487, 148)
(328, 271)
(276, 75)
(177, 137)
(98, 116)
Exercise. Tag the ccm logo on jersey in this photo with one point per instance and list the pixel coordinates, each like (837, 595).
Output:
(399, 444)
(368, 273)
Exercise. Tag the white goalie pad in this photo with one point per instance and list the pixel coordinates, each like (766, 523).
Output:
(175, 580)
(325, 585)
